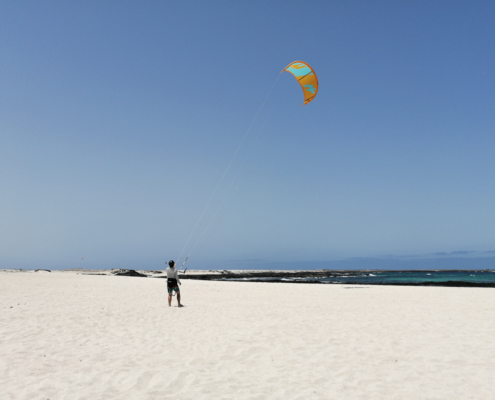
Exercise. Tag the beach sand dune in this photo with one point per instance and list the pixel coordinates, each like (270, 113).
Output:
(70, 336)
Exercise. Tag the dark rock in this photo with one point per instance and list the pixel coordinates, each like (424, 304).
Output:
(128, 272)
(42, 270)
(225, 274)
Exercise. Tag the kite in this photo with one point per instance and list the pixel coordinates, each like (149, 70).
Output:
(306, 77)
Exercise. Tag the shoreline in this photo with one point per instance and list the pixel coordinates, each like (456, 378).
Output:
(283, 276)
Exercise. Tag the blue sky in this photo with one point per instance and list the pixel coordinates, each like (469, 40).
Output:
(119, 118)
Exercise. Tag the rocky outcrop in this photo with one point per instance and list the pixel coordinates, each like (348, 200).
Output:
(128, 272)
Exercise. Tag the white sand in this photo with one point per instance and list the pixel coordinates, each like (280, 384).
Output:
(70, 336)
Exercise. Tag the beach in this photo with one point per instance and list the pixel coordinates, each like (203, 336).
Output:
(67, 335)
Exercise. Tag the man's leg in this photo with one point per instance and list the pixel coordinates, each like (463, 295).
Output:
(169, 299)
(178, 299)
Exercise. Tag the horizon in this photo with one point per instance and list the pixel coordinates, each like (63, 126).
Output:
(425, 262)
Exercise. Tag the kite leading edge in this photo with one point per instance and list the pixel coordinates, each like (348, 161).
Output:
(306, 77)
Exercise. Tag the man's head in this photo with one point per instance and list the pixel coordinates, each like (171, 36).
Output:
(171, 263)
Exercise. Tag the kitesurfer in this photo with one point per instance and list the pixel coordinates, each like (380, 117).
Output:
(172, 282)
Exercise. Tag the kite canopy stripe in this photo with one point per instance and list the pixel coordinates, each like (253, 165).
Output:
(306, 77)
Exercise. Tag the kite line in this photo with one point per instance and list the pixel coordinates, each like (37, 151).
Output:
(223, 176)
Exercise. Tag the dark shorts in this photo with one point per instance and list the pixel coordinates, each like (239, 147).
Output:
(175, 289)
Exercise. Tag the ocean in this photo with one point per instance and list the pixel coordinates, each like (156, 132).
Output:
(415, 277)
(466, 278)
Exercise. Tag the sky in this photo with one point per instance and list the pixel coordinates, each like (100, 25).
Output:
(134, 132)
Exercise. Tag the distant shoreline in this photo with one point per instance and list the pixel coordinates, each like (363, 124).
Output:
(342, 277)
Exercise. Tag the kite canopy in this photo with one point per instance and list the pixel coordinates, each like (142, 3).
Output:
(306, 77)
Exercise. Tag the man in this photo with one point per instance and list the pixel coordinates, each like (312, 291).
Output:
(172, 281)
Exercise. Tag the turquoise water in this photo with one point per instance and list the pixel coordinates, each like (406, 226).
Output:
(416, 277)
